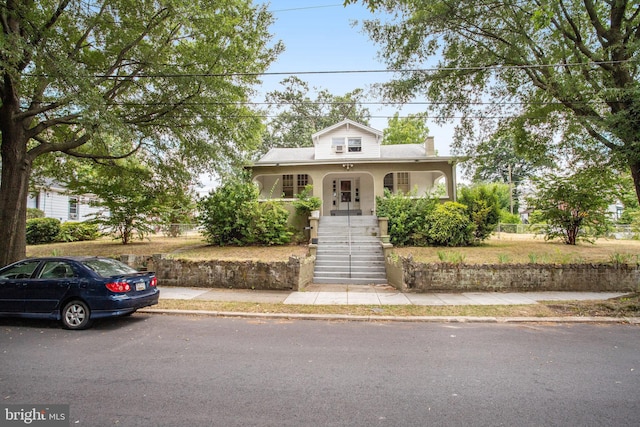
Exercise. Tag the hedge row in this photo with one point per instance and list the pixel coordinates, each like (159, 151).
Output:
(424, 221)
(50, 230)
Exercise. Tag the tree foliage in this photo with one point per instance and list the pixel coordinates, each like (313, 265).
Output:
(500, 160)
(296, 114)
(631, 208)
(406, 130)
(423, 221)
(109, 79)
(131, 197)
(565, 71)
(232, 215)
(572, 207)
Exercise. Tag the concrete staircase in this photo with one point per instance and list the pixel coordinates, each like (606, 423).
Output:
(349, 251)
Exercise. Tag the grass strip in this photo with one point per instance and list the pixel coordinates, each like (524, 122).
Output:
(625, 306)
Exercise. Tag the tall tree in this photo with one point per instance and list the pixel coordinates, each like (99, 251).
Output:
(136, 194)
(406, 130)
(104, 79)
(565, 69)
(130, 197)
(297, 115)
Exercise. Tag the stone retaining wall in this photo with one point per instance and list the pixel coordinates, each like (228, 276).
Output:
(441, 277)
(403, 273)
(277, 275)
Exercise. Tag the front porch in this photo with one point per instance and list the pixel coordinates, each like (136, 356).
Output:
(352, 192)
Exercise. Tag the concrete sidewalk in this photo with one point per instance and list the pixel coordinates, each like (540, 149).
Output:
(375, 295)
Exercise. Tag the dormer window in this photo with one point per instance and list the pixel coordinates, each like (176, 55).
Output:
(346, 145)
(355, 145)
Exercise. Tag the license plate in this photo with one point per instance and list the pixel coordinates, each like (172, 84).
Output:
(140, 286)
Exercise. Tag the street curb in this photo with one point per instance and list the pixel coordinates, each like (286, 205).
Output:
(415, 319)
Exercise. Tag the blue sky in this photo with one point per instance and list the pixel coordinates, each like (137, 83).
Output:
(319, 36)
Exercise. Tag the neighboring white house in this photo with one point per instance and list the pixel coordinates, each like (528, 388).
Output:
(54, 201)
(349, 167)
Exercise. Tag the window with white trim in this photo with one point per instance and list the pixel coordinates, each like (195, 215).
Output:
(287, 186)
(355, 145)
(402, 182)
(303, 181)
(73, 208)
(292, 184)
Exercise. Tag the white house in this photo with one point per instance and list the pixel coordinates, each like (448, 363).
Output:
(55, 202)
(349, 167)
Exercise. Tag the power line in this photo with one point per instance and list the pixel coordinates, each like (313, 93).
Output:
(306, 8)
(383, 103)
(370, 71)
(441, 117)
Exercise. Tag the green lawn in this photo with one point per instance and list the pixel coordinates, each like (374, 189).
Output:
(504, 248)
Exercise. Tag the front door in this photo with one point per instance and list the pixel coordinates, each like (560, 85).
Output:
(346, 195)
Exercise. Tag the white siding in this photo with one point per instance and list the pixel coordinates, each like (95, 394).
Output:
(55, 204)
(370, 144)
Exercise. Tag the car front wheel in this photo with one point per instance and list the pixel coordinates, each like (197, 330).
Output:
(75, 315)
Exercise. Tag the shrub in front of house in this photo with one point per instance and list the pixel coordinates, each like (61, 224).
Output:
(77, 232)
(42, 230)
(232, 215)
(34, 213)
(424, 221)
(483, 209)
(270, 224)
(406, 214)
(450, 225)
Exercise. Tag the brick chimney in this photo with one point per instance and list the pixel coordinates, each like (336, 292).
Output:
(429, 146)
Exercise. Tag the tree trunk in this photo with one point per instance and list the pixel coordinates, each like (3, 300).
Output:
(635, 173)
(14, 188)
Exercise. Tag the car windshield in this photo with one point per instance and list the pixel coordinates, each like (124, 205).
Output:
(106, 267)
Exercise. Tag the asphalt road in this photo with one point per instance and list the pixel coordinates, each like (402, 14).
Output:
(159, 370)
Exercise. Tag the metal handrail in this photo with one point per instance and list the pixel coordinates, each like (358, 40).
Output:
(349, 234)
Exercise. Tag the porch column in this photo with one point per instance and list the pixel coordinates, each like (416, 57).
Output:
(316, 180)
(453, 186)
(378, 188)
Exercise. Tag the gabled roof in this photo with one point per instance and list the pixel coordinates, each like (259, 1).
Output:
(307, 155)
(347, 122)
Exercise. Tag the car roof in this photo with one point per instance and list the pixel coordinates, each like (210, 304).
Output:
(64, 258)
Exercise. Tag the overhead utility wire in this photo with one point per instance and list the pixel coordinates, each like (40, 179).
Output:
(404, 70)
(305, 8)
(128, 103)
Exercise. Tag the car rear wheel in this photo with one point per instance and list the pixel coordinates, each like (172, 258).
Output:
(75, 315)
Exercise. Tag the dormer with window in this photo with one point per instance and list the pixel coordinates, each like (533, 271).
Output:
(347, 140)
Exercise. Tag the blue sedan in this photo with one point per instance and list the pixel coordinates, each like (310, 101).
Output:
(74, 290)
